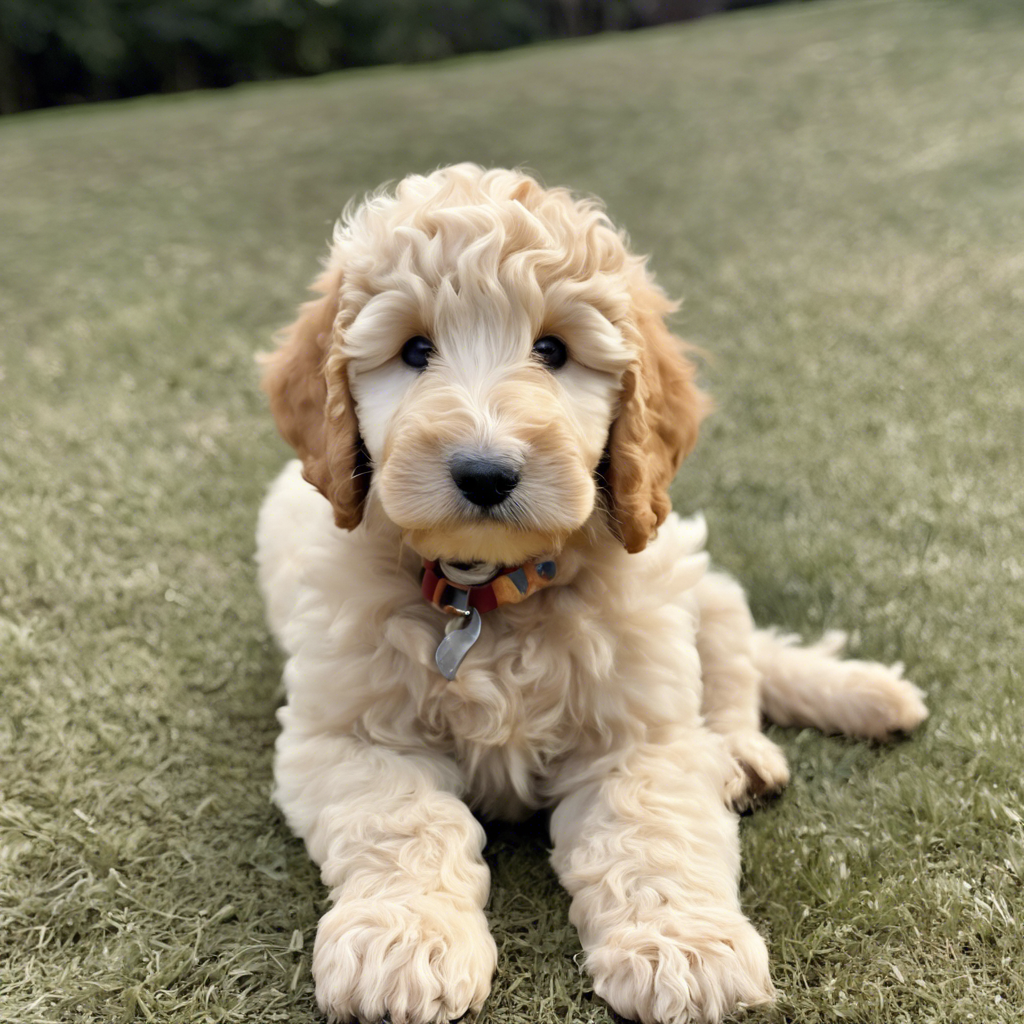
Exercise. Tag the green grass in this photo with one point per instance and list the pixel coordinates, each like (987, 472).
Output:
(837, 190)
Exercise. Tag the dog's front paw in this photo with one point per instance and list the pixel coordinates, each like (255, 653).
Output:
(678, 968)
(420, 961)
(761, 769)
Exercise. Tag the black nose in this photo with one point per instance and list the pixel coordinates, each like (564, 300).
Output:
(485, 482)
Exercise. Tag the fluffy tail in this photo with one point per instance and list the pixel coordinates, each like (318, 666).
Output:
(812, 686)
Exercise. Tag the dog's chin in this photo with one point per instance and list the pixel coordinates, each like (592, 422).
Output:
(484, 542)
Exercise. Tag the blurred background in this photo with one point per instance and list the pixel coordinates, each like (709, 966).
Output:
(55, 52)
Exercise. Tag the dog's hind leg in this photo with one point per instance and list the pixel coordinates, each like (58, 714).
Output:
(813, 686)
(731, 703)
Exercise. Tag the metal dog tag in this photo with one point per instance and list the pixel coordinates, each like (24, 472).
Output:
(461, 634)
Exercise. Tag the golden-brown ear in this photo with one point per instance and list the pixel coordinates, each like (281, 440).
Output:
(660, 412)
(318, 420)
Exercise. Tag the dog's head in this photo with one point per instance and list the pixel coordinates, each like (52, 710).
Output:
(491, 360)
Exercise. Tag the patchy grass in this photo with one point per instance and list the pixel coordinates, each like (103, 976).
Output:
(837, 191)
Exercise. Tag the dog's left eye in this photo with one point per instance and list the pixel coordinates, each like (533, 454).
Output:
(550, 351)
(416, 352)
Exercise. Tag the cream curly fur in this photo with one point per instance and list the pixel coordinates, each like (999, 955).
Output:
(626, 697)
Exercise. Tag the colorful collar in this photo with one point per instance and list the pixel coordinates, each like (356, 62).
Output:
(510, 586)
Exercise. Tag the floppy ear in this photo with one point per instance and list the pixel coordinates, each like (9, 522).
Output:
(660, 411)
(316, 418)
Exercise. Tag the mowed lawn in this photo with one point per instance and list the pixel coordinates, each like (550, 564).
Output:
(837, 190)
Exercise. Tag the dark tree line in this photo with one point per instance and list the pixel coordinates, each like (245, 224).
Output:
(66, 51)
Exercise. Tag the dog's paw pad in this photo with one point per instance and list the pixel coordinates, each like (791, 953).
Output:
(761, 769)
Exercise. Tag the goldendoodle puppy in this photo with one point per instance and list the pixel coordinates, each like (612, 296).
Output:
(488, 605)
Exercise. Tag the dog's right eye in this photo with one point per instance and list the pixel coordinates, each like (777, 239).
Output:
(416, 352)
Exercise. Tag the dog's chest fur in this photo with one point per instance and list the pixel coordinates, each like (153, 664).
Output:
(551, 685)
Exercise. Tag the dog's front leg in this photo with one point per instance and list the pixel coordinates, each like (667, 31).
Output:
(401, 854)
(650, 856)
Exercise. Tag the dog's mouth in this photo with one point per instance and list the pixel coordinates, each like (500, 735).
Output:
(510, 513)
(477, 549)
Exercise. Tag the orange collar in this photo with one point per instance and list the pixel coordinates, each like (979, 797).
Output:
(510, 586)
